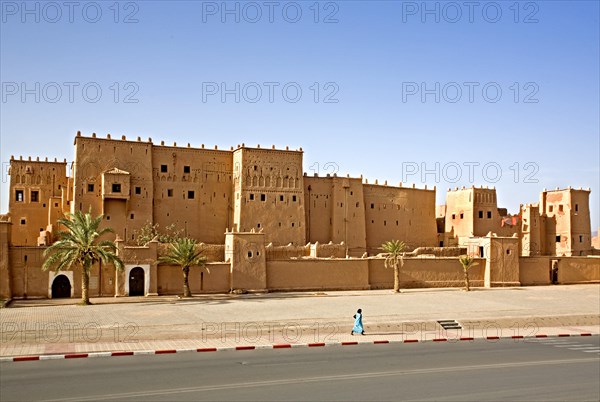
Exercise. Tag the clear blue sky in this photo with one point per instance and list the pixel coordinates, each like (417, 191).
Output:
(379, 67)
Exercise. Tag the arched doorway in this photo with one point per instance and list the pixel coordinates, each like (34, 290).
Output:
(61, 287)
(136, 282)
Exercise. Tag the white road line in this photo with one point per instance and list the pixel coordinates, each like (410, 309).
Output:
(569, 345)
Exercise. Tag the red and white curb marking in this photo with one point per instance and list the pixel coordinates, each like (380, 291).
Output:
(256, 347)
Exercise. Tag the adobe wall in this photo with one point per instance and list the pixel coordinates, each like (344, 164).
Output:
(5, 267)
(33, 184)
(578, 270)
(535, 270)
(195, 192)
(212, 252)
(27, 277)
(318, 274)
(286, 252)
(425, 273)
(571, 270)
(269, 194)
(127, 212)
(567, 217)
(335, 211)
(406, 214)
(213, 278)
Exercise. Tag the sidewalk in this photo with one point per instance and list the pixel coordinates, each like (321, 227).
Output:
(47, 327)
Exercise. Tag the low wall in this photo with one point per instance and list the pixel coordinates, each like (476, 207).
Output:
(425, 273)
(318, 274)
(213, 278)
(571, 270)
(212, 252)
(535, 270)
(578, 270)
(286, 252)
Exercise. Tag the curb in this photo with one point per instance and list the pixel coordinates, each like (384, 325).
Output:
(255, 347)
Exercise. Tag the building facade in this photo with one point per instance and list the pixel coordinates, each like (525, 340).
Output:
(258, 218)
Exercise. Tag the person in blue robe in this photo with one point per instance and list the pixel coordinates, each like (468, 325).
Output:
(358, 324)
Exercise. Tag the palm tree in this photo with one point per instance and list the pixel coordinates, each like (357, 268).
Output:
(182, 252)
(467, 262)
(394, 259)
(79, 246)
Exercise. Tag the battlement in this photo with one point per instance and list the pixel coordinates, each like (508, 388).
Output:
(365, 182)
(188, 146)
(558, 189)
(463, 188)
(37, 160)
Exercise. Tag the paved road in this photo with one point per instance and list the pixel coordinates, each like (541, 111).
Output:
(537, 369)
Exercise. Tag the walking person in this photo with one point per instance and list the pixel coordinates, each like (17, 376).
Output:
(358, 324)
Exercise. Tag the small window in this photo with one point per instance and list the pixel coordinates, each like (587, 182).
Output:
(576, 207)
(132, 216)
(480, 214)
(23, 221)
(357, 204)
(462, 216)
(35, 196)
(170, 192)
(258, 225)
(251, 197)
(560, 208)
(107, 217)
(90, 188)
(293, 198)
(489, 214)
(507, 252)
(249, 254)
(372, 206)
(163, 168)
(292, 224)
(186, 169)
(558, 239)
(550, 208)
(116, 188)
(384, 223)
(263, 197)
(19, 195)
(281, 198)
(56, 205)
(191, 195)
(453, 216)
(396, 223)
(580, 239)
(138, 190)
